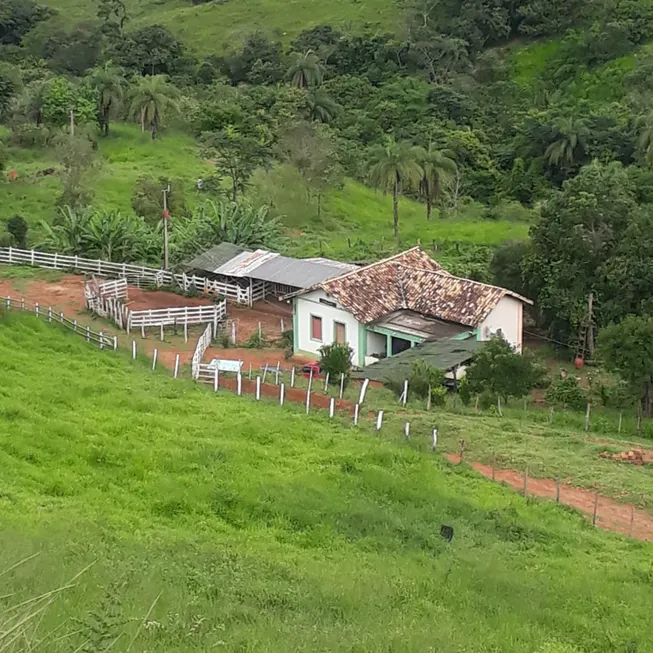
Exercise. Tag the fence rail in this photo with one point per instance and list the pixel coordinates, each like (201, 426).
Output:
(181, 315)
(130, 272)
(97, 338)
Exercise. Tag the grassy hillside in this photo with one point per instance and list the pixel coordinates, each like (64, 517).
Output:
(261, 529)
(215, 26)
(355, 212)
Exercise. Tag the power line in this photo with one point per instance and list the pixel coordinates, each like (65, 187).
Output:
(557, 342)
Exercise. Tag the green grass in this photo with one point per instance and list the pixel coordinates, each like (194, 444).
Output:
(215, 27)
(264, 530)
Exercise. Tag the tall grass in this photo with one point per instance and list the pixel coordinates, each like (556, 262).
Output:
(265, 530)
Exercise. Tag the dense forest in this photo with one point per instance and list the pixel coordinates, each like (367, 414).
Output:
(538, 107)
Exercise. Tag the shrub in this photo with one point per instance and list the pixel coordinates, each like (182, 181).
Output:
(438, 395)
(464, 391)
(423, 376)
(17, 227)
(336, 359)
(256, 341)
(567, 393)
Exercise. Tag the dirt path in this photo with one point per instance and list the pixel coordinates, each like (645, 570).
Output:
(612, 516)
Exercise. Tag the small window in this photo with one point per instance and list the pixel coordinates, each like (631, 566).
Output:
(340, 333)
(316, 328)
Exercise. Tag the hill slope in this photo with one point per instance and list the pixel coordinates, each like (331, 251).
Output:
(262, 529)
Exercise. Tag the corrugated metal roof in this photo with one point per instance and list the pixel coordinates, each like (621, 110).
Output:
(234, 261)
(215, 257)
(443, 354)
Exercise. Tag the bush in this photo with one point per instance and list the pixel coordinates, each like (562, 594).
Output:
(438, 395)
(29, 135)
(335, 359)
(424, 376)
(256, 341)
(17, 227)
(464, 391)
(567, 393)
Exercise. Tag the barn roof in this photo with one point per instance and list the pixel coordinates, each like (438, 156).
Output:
(235, 261)
(413, 281)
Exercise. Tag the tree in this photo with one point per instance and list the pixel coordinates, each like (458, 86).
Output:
(506, 265)
(235, 155)
(627, 349)
(569, 145)
(18, 227)
(321, 106)
(305, 69)
(31, 101)
(70, 51)
(497, 369)
(150, 50)
(58, 98)
(10, 84)
(335, 359)
(645, 137)
(18, 17)
(394, 167)
(147, 198)
(110, 87)
(436, 166)
(151, 100)
(77, 156)
(113, 14)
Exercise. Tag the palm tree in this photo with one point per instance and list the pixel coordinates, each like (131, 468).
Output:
(30, 102)
(436, 166)
(645, 138)
(151, 99)
(305, 69)
(110, 86)
(570, 143)
(321, 106)
(394, 167)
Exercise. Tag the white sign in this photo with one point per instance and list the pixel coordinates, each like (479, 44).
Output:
(226, 365)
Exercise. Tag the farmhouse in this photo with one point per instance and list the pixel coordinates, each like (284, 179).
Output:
(390, 306)
(265, 273)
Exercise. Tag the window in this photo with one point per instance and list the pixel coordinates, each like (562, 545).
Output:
(339, 333)
(316, 328)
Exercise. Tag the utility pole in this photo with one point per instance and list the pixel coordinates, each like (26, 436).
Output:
(166, 215)
(72, 122)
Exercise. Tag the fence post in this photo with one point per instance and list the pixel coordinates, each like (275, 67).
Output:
(332, 407)
(154, 357)
(326, 383)
(342, 384)
(36, 309)
(276, 377)
(239, 381)
(258, 388)
(259, 331)
(356, 413)
(361, 397)
(249, 374)
(88, 334)
(526, 481)
(134, 349)
(435, 439)
(308, 398)
(557, 489)
(406, 430)
(265, 372)
(292, 377)
(161, 331)
(216, 379)
(176, 372)
(101, 340)
(379, 420)
(587, 416)
(632, 519)
(282, 394)
(8, 302)
(143, 331)
(404, 395)
(61, 317)
(186, 331)
(22, 303)
(282, 326)
(233, 332)
(596, 508)
(115, 343)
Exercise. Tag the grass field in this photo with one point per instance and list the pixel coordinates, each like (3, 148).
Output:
(260, 529)
(356, 212)
(214, 27)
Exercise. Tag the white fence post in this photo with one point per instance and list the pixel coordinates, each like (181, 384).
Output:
(115, 343)
(265, 372)
(186, 330)
(88, 334)
(361, 398)
(233, 333)
(154, 357)
(176, 372)
(379, 420)
(407, 430)
(258, 388)
(292, 378)
(216, 379)
(134, 349)
(356, 414)
(435, 438)
(282, 394)
(101, 340)
(161, 331)
(276, 378)
(36, 309)
(332, 407)
(404, 396)
(239, 384)
(342, 384)
(326, 383)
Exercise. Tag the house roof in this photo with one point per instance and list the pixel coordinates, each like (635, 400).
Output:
(442, 354)
(414, 281)
(235, 261)
(416, 324)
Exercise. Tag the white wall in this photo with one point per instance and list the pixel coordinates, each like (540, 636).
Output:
(377, 343)
(507, 315)
(308, 305)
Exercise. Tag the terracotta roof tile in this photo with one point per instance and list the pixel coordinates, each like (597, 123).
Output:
(414, 281)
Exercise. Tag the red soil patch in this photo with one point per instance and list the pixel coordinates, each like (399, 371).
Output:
(269, 314)
(140, 300)
(634, 456)
(612, 516)
(65, 295)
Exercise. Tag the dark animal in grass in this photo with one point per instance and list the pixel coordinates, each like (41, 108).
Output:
(446, 532)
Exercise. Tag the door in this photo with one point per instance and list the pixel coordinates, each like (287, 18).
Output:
(340, 333)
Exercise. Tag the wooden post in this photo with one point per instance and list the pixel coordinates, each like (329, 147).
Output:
(239, 382)
(143, 331)
(404, 395)
(587, 416)
(36, 309)
(154, 357)
(22, 303)
(233, 332)
(494, 466)
(499, 405)
(282, 327)
(462, 450)
(428, 398)
(75, 326)
(49, 313)
(265, 372)
(551, 415)
(361, 398)
(276, 376)
(407, 430)
(258, 388)
(526, 481)
(134, 349)
(310, 380)
(558, 489)
(101, 340)
(61, 317)
(332, 407)
(308, 399)
(435, 439)
(292, 378)
(620, 419)
(596, 508)
(185, 331)
(88, 334)
(326, 383)
(249, 375)
(115, 343)
(216, 379)
(356, 413)
(259, 331)
(282, 394)
(342, 384)
(161, 331)
(476, 404)
(632, 519)
(176, 372)
(379, 420)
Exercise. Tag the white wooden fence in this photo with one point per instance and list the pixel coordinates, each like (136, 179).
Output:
(182, 315)
(203, 344)
(117, 289)
(135, 273)
(96, 338)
